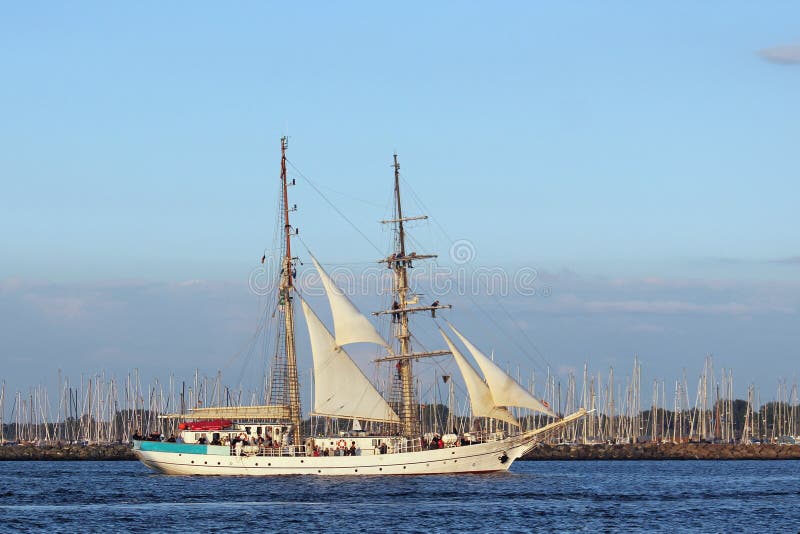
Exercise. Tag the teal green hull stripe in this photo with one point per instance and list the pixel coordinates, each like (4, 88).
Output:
(183, 448)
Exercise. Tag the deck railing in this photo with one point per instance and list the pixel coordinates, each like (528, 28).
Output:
(394, 446)
(264, 450)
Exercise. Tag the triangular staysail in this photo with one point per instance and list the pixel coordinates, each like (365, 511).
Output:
(349, 324)
(480, 397)
(505, 390)
(340, 388)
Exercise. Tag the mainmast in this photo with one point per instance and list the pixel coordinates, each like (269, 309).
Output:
(400, 261)
(408, 413)
(285, 290)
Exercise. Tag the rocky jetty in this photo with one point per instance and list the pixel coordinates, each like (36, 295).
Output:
(645, 451)
(118, 451)
(665, 451)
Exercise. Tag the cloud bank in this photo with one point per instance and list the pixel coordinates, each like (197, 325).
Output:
(162, 328)
(783, 55)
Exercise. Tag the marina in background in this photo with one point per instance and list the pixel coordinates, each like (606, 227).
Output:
(101, 409)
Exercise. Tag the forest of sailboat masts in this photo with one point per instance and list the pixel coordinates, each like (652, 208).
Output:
(106, 409)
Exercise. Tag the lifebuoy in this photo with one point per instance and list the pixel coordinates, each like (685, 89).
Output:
(342, 444)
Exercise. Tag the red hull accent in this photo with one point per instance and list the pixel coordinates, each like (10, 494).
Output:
(214, 424)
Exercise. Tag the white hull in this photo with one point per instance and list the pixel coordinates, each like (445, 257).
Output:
(480, 458)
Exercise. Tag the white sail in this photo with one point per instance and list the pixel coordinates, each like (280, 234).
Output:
(340, 388)
(505, 390)
(349, 325)
(480, 397)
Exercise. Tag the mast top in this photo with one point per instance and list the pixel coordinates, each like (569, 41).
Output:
(287, 227)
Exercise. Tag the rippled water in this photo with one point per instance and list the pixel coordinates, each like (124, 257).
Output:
(553, 496)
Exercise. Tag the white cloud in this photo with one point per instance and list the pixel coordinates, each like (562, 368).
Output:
(649, 328)
(793, 260)
(57, 307)
(666, 306)
(785, 55)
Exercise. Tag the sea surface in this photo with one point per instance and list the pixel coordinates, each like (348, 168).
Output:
(700, 496)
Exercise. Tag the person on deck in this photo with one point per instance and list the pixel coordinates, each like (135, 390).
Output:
(352, 451)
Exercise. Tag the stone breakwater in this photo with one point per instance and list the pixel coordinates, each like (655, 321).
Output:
(67, 452)
(648, 451)
(665, 451)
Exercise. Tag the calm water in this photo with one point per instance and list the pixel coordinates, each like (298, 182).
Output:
(534, 496)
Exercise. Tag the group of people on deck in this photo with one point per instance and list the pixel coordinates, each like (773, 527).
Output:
(436, 442)
(341, 448)
(339, 451)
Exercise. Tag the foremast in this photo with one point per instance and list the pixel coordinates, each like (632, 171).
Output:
(286, 306)
(400, 261)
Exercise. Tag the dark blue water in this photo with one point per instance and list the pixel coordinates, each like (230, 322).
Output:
(699, 496)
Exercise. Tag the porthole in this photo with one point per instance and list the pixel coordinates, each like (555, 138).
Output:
(319, 470)
(205, 463)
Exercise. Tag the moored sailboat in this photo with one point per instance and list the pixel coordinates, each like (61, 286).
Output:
(268, 439)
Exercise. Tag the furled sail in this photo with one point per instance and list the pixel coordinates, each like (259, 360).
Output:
(279, 411)
(349, 325)
(340, 388)
(505, 390)
(480, 397)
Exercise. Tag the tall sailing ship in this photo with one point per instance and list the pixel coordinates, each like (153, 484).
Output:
(268, 439)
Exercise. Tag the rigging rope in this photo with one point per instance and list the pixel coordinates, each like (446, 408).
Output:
(332, 205)
(471, 297)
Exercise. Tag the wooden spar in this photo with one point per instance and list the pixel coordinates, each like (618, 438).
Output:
(413, 356)
(557, 424)
(413, 309)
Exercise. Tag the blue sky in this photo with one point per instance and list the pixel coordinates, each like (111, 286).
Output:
(607, 145)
